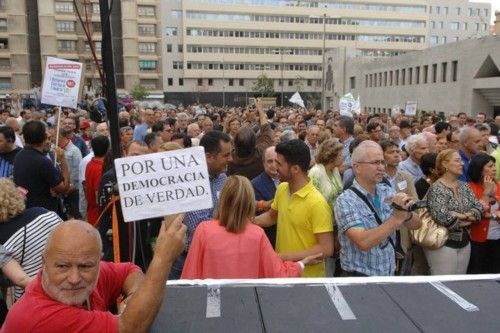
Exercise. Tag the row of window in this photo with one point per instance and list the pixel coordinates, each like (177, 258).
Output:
(72, 46)
(457, 11)
(67, 7)
(69, 26)
(320, 4)
(441, 40)
(304, 20)
(412, 75)
(253, 66)
(301, 35)
(251, 50)
(240, 82)
(456, 26)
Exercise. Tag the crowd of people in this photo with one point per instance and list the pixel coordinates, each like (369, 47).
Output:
(295, 192)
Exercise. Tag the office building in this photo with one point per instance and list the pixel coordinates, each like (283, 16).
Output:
(451, 21)
(450, 78)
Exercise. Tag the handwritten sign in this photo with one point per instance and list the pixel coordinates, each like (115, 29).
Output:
(411, 108)
(61, 82)
(160, 184)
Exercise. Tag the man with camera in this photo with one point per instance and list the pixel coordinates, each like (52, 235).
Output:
(368, 215)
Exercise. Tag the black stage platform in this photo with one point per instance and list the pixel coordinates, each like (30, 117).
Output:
(401, 304)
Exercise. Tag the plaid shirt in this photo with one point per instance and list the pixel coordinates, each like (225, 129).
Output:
(351, 211)
(192, 219)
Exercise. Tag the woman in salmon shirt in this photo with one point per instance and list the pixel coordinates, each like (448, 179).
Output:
(231, 247)
(485, 235)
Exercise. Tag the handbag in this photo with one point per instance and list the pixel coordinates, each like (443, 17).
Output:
(430, 235)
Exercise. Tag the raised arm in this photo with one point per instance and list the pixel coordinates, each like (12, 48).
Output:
(143, 307)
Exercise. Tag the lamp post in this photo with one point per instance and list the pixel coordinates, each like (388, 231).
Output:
(223, 82)
(282, 65)
(323, 72)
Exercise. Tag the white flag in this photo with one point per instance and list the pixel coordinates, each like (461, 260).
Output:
(296, 99)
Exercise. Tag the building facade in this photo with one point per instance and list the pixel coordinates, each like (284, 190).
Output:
(455, 77)
(451, 21)
(214, 46)
(214, 50)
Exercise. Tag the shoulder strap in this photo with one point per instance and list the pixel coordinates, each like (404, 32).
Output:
(24, 246)
(377, 218)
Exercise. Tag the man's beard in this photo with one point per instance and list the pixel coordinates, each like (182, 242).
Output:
(58, 292)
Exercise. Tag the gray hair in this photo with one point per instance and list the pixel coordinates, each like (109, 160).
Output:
(466, 133)
(182, 115)
(288, 135)
(412, 141)
(360, 151)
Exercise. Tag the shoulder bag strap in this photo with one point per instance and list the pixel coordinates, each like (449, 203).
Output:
(377, 218)
(24, 247)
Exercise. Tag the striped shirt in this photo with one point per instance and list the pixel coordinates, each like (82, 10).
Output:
(37, 223)
(351, 211)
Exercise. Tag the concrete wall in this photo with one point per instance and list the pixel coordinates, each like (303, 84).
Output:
(468, 93)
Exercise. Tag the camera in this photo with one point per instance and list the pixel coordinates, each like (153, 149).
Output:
(416, 205)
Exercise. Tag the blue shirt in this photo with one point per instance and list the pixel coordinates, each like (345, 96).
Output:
(194, 218)
(351, 211)
(465, 169)
(346, 155)
(140, 132)
(412, 168)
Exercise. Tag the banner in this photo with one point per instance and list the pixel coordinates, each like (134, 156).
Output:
(61, 82)
(165, 183)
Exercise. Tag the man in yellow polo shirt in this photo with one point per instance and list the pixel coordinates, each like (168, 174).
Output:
(303, 217)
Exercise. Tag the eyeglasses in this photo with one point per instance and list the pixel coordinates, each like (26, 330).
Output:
(376, 163)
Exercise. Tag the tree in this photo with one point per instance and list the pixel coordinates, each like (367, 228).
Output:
(263, 86)
(139, 92)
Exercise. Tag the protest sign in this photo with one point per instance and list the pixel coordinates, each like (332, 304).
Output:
(61, 82)
(348, 105)
(165, 183)
(411, 108)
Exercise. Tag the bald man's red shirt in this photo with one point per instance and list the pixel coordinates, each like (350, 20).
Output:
(35, 311)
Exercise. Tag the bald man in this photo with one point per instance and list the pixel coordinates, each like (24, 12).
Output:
(74, 290)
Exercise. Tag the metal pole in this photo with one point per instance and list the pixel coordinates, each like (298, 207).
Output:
(111, 109)
(109, 73)
(323, 104)
(223, 82)
(282, 81)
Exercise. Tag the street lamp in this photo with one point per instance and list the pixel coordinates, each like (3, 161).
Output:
(281, 52)
(223, 82)
(323, 64)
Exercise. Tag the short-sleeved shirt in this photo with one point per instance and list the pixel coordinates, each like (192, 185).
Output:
(38, 312)
(301, 215)
(351, 211)
(37, 174)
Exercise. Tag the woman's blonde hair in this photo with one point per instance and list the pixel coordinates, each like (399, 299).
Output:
(236, 204)
(169, 146)
(443, 156)
(11, 201)
(328, 151)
